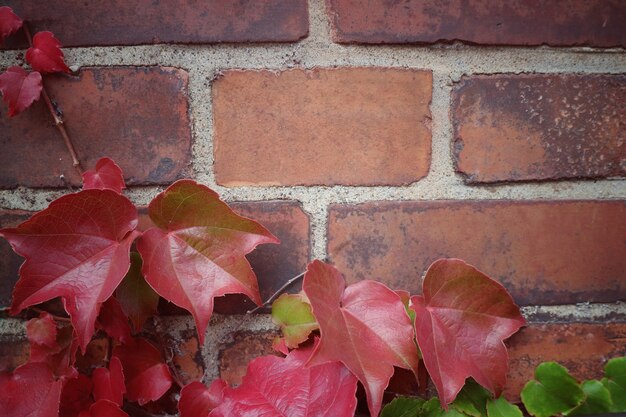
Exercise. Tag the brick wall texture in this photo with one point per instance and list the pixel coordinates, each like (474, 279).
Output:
(378, 135)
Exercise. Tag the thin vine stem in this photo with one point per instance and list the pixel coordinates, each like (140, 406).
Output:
(58, 119)
(276, 294)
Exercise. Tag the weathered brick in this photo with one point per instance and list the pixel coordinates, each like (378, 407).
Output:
(353, 126)
(187, 358)
(598, 23)
(544, 252)
(138, 116)
(539, 127)
(246, 346)
(133, 22)
(272, 264)
(583, 348)
(9, 261)
(13, 352)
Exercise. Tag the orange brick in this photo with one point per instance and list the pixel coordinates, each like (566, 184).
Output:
(234, 358)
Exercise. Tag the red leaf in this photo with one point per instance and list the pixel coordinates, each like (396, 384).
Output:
(106, 176)
(197, 251)
(19, 89)
(196, 400)
(137, 299)
(52, 346)
(31, 391)
(76, 249)
(106, 408)
(45, 55)
(365, 326)
(9, 22)
(113, 320)
(76, 396)
(276, 387)
(108, 384)
(461, 322)
(147, 377)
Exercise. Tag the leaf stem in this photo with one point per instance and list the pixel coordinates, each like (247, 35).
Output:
(276, 294)
(58, 119)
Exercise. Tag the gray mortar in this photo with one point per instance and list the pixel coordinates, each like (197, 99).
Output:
(448, 64)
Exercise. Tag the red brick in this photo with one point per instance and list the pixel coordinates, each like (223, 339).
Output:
(136, 115)
(246, 346)
(187, 358)
(353, 126)
(598, 23)
(133, 22)
(544, 252)
(583, 348)
(539, 127)
(9, 261)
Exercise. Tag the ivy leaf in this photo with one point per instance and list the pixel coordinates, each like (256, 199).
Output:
(76, 249)
(113, 320)
(461, 322)
(45, 55)
(403, 407)
(196, 400)
(472, 399)
(197, 251)
(9, 22)
(432, 408)
(365, 326)
(108, 384)
(31, 391)
(105, 176)
(597, 400)
(42, 332)
(137, 299)
(553, 391)
(292, 312)
(147, 376)
(106, 408)
(615, 382)
(500, 407)
(76, 396)
(20, 89)
(276, 387)
(52, 346)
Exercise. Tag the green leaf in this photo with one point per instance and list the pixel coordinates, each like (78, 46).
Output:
(615, 382)
(597, 400)
(472, 399)
(432, 408)
(500, 407)
(553, 391)
(403, 407)
(292, 312)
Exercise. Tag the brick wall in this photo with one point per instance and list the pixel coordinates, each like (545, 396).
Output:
(380, 135)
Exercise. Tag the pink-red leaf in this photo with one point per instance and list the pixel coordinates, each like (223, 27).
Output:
(45, 55)
(461, 321)
(277, 387)
(108, 384)
(31, 391)
(76, 396)
(197, 251)
(19, 89)
(147, 376)
(196, 400)
(9, 22)
(106, 176)
(113, 320)
(137, 299)
(365, 326)
(52, 346)
(106, 408)
(76, 249)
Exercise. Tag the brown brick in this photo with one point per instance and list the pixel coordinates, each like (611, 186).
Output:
(9, 261)
(540, 127)
(582, 348)
(136, 116)
(598, 23)
(234, 358)
(187, 358)
(13, 352)
(353, 126)
(547, 252)
(133, 22)
(272, 264)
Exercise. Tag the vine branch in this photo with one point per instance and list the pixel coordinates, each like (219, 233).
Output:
(58, 119)
(276, 294)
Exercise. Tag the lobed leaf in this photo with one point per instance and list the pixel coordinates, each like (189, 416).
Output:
(30, 391)
(597, 400)
(461, 322)
(472, 399)
(197, 251)
(196, 400)
(45, 55)
(77, 249)
(113, 320)
(365, 326)
(9, 23)
(615, 382)
(432, 408)
(292, 312)
(106, 408)
(403, 407)
(553, 391)
(20, 89)
(76, 396)
(107, 175)
(137, 299)
(108, 384)
(500, 407)
(54, 347)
